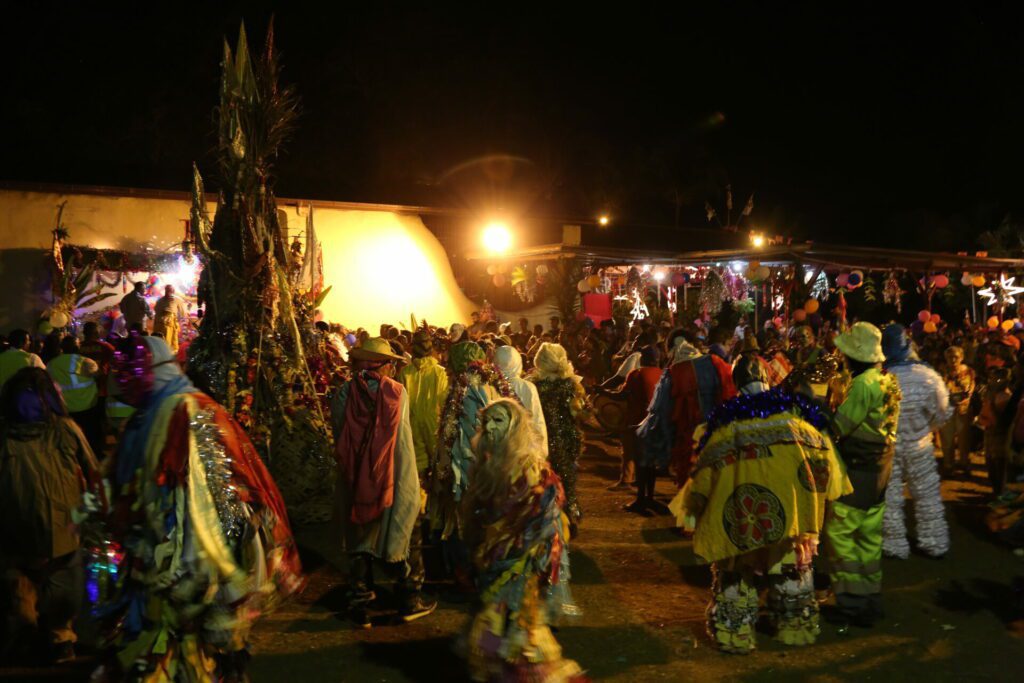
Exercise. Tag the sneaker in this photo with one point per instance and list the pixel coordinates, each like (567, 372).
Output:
(417, 609)
(638, 507)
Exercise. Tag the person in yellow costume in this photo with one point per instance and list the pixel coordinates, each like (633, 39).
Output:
(865, 429)
(765, 472)
(426, 384)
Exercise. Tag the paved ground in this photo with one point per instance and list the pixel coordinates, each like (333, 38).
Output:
(643, 598)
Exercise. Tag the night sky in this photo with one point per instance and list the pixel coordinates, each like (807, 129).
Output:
(851, 124)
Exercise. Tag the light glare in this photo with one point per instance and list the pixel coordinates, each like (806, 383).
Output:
(497, 238)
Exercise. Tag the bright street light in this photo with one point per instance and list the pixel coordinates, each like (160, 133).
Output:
(757, 240)
(604, 220)
(497, 238)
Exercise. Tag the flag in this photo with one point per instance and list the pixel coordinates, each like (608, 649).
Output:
(749, 208)
(709, 210)
(311, 277)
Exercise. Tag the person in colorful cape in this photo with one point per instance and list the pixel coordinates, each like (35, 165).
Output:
(474, 383)
(378, 489)
(564, 403)
(923, 410)
(519, 537)
(692, 385)
(203, 528)
(865, 427)
(765, 472)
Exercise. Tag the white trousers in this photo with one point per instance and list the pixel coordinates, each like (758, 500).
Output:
(915, 466)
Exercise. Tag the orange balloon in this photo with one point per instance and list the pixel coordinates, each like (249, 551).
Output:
(930, 327)
(935, 318)
(993, 322)
(1007, 325)
(799, 315)
(812, 306)
(978, 281)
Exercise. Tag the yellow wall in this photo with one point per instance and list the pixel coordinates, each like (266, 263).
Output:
(383, 266)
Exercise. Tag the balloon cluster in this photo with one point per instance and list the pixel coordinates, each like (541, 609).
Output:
(930, 321)
(757, 273)
(972, 279)
(851, 280)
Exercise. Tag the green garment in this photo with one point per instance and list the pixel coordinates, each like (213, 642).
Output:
(13, 360)
(75, 375)
(462, 354)
(855, 549)
(426, 384)
(869, 412)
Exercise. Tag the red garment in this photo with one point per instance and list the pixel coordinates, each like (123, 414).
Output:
(640, 386)
(366, 446)
(691, 404)
(254, 484)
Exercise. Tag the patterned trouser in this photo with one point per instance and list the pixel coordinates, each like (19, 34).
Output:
(732, 614)
(916, 466)
(854, 545)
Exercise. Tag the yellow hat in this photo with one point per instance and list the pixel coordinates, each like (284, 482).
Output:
(862, 342)
(374, 349)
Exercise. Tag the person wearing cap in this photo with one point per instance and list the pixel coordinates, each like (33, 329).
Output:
(750, 367)
(378, 489)
(923, 410)
(693, 385)
(865, 428)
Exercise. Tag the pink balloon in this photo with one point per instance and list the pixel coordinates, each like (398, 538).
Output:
(924, 316)
(940, 281)
(936, 318)
(842, 279)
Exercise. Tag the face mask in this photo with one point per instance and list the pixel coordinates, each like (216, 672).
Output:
(497, 422)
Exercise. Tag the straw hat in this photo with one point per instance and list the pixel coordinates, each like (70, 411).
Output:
(863, 342)
(374, 349)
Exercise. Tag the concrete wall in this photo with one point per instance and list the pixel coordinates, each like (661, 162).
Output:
(383, 265)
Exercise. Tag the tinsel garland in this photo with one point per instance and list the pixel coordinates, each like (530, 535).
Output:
(890, 403)
(713, 293)
(217, 468)
(477, 373)
(762, 405)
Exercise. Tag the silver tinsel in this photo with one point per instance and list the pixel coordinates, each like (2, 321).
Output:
(217, 464)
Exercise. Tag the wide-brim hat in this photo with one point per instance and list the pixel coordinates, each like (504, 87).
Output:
(862, 342)
(374, 349)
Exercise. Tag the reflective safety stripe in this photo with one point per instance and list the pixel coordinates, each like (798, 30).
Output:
(117, 409)
(79, 392)
(76, 381)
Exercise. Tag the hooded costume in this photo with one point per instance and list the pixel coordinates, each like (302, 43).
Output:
(474, 384)
(764, 474)
(692, 385)
(563, 400)
(201, 523)
(519, 539)
(510, 362)
(923, 410)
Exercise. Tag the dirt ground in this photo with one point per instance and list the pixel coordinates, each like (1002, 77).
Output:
(643, 597)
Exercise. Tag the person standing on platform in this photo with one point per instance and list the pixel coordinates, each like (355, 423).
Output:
(135, 308)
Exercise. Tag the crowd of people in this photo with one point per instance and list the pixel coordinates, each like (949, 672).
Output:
(457, 451)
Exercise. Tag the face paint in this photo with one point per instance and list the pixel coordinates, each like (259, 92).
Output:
(497, 422)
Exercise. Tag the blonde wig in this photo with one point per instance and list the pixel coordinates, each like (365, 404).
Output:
(496, 470)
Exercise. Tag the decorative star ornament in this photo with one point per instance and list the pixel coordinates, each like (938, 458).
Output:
(1001, 293)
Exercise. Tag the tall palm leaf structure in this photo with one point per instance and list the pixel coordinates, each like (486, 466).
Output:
(250, 353)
